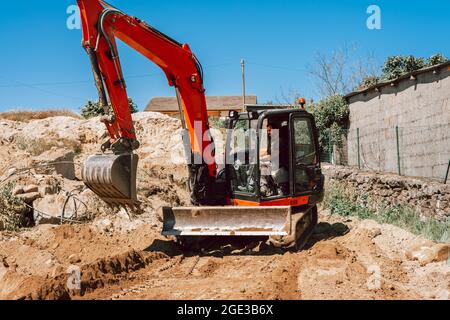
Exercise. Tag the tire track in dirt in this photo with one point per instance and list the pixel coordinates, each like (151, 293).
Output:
(341, 261)
(337, 264)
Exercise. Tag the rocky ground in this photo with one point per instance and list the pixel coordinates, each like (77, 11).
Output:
(120, 254)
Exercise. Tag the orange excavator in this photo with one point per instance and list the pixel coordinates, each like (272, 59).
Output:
(271, 179)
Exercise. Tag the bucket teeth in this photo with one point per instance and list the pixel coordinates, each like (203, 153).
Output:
(112, 177)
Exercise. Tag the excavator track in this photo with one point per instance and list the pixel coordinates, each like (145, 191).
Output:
(305, 228)
(302, 227)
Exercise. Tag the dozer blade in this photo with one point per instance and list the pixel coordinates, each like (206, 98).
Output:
(227, 221)
(112, 177)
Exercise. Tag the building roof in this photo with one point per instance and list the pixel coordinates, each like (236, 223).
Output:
(214, 103)
(408, 76)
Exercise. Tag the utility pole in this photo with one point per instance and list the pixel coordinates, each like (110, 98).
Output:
(243, 81)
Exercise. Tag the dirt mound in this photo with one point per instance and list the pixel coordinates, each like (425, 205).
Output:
(30, 145)
(19, 139)
(120, 261)
(96, 275)
(120, 254)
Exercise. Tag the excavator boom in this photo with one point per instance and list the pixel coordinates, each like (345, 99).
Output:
(111, 175)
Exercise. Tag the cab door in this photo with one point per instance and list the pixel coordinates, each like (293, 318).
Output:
(305, 164)
(241, 161)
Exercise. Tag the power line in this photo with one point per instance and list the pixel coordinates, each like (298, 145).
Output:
(277, 67)
(61, 83)
(45, 84)
(21, 84)
(36, 86)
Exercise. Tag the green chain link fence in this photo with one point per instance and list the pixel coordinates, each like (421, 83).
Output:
(422, 151)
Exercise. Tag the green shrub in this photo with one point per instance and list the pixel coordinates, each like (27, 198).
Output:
(332, 117)
(12, 209)
(216, 122)
(340, 203)
(436, 59)
(94, 109)
(367, 82)
(396, 66)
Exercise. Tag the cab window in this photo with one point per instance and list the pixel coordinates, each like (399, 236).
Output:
(242, 155)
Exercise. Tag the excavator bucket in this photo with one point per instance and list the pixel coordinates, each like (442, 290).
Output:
(227, 221)
(112, 177)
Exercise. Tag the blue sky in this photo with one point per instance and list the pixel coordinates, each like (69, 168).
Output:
(44, 66)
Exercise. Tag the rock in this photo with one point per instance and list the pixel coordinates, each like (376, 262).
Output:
(57, 270)
(55, 155)
(104, 225)
(74, 258)
(11, 172)
(17, 190)
(46, 190)
(372, 228)
(29, 197)
(49, 208)
(441, 251)
(426, 252)
(49, 185)
(30, 188)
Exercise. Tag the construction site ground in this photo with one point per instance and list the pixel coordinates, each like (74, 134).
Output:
(120, 254)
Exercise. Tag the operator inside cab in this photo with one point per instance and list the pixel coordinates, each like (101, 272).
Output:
(274, 159)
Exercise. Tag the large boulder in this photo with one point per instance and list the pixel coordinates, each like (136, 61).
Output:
(50, 209)
(62, 159)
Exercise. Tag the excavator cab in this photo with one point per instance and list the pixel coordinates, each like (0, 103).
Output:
(273, 158)
(273, 180)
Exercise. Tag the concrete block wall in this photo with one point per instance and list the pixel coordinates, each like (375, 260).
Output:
(421, 110)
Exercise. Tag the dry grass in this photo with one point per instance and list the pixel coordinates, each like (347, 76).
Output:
(38, 146)
(28, 115)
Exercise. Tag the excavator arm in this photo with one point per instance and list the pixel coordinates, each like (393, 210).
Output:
(112, 174)
(101, 25)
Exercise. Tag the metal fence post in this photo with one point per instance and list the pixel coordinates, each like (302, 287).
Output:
(359, 154)
(330, 147)
(398, 151)
(446, 175)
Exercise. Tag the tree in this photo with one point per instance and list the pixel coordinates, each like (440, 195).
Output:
(94, 109)
(332, 118)
(342, 71)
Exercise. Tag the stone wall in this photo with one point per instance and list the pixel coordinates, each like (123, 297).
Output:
(420, 107)
(381, 190)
